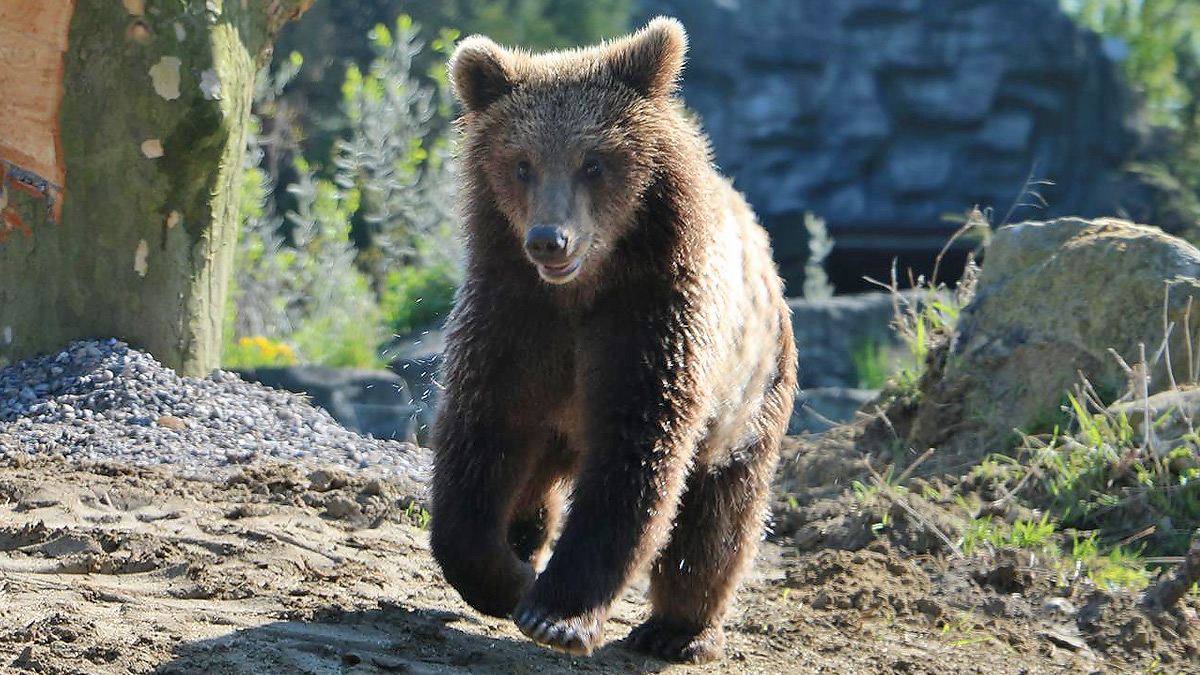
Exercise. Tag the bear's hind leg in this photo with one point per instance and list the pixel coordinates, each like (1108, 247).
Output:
(713, 541)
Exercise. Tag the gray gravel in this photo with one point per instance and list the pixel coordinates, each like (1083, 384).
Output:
(102, 400)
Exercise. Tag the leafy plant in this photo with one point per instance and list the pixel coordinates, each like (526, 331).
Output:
(1034, 535)
(923, 318)
(305, 294)
(418, 515)
(393, 158)
(1104, 471)
(1118, 568)
(304, 279)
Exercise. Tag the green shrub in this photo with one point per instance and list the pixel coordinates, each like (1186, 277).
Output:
(304, 279)
(396, 158)
(415, 297)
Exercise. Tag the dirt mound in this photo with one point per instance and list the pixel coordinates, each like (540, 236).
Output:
(875, 542)
(1119, 625)
(874, 582)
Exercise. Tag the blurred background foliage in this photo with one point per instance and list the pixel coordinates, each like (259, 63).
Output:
(348, 232)
(1158, 43)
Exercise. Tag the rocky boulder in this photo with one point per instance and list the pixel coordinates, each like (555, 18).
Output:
(1059, 300)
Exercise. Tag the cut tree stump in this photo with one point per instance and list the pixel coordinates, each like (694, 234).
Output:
(122, 131)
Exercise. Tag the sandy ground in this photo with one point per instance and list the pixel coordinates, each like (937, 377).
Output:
(114, 569)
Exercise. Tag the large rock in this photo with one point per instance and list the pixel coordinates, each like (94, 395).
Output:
(883, 115)
(1052, 300)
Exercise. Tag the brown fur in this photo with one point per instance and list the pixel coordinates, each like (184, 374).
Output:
(655, 383)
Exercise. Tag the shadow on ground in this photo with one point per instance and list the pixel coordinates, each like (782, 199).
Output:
(390, 639)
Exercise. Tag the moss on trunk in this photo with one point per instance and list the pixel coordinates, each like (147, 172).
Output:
(153, 125)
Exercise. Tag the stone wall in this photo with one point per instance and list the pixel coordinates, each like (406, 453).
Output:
(885, 115)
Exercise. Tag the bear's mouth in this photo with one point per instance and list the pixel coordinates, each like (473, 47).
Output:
(555, 272)
(561, 274)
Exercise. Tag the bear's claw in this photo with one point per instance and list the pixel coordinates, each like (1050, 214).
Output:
(577, 635)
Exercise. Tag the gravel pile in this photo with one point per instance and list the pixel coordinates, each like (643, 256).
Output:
(103, 400)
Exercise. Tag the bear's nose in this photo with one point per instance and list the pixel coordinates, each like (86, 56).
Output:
(546, 243)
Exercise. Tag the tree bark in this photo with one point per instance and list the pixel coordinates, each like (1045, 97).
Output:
(119, 216)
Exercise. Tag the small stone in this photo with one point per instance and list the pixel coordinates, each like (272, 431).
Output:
(171, 422)
(930, 608)
(324, 480)
(1060, 606)
(342, 507)
(152, 148)
(376, 488)
(1061, 639)
(823, 600)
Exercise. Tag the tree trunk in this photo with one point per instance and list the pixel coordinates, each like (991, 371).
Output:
(122, 131)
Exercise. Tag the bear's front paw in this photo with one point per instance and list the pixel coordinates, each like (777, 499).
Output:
(572, 634)
(671, 642)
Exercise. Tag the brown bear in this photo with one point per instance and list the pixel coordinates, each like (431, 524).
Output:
(621, 336)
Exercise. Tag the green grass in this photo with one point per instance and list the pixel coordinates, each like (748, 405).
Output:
(417, 515)
(1000, 469)
(1034, 535)
(920, 323)
(872, 364)
(1119, 568)
(1116, 568)
(1101, 472)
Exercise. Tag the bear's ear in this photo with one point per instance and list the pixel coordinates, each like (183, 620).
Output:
(481, 72)
(651, 59)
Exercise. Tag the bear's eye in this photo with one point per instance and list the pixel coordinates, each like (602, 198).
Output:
(592, 169)
(524, 171)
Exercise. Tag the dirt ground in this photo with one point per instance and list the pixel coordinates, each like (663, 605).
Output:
(114, 569)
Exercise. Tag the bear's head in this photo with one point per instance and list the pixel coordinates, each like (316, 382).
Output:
(565, 145)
